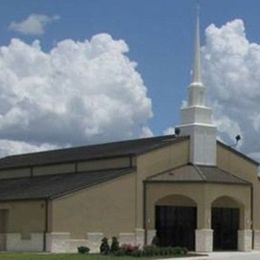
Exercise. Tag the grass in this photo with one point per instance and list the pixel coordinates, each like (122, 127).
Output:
(31, 256)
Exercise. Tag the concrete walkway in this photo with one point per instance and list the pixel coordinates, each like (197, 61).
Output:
(254, 255)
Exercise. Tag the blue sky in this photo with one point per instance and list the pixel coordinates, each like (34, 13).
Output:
(159, 35)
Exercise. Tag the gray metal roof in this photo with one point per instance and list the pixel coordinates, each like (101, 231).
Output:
(52, 186)
(197, 173)
(123, 148)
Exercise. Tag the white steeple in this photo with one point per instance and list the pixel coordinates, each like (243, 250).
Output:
(196, 117)
(196, 73)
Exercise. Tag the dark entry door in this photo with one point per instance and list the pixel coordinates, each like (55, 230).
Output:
(176, 226)
(225, 224)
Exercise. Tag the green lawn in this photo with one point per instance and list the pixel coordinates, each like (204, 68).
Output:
(28, 256)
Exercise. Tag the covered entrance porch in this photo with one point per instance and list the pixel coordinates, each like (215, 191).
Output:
(202, 216)
(176, 225)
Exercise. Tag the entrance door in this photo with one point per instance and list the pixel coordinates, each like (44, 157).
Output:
(176, 226)
(225, 225)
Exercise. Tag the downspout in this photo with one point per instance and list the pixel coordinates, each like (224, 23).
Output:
(252, 213)
(45, 226)
(144, 213)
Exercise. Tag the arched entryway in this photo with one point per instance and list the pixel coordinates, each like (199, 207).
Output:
(225, 221)
(176, 221)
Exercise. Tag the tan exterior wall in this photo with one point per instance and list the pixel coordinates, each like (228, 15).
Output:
(112, 163)
(25, 217)
(15, 173)
(108, 208)
(155, 162)
(243, 168)
(200, 195)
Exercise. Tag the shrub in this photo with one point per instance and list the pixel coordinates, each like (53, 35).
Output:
(83, 249)
(137, 253)
(104, 247)
(128, 249)
(178, 251)
(164, 251)
(119, 252)
(149, 250)
(114, 245)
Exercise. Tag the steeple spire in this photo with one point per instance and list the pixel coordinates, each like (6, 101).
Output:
(196, 116)
(196, 89)
(196, 73)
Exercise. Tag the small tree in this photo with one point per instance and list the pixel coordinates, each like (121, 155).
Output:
(114, 245)
(104, 247)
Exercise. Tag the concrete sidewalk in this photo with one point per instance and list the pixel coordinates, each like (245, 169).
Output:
(254, 255)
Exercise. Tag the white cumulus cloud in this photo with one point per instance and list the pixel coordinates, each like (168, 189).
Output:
(169, 131)
(77, 93)
(34, 24)
(232, 75)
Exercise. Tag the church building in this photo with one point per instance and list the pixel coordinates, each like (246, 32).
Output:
(187, 189)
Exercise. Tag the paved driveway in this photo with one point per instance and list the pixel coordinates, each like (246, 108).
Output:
(255, 255)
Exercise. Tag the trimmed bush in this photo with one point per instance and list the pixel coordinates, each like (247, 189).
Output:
(128, 249)
(178, 251)
(137, 253)
(104, 247)
(164, 251)
(83, 249)
(149, 250)
(119, 252)
(114, 245)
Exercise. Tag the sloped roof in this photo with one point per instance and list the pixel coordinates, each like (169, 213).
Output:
(52, 186)
(197, 173)
(123, 148)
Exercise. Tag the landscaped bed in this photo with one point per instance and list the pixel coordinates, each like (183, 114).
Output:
(43, 256)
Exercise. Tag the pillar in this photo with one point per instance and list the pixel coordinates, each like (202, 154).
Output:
(204, 233)
(245, 240)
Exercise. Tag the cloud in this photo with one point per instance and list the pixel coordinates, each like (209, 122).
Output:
(77, 93)
(34, 24)
(232, 75)
(17, 147)
(169, 131)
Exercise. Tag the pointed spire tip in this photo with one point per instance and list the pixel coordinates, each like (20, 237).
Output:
(196, 72)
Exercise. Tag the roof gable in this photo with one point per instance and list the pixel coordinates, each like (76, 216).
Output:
(197, 173)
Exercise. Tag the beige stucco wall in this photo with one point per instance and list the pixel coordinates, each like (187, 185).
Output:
(108, 208)
(24, 217)
(155, 162)
(245, 169)
(196, 194)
